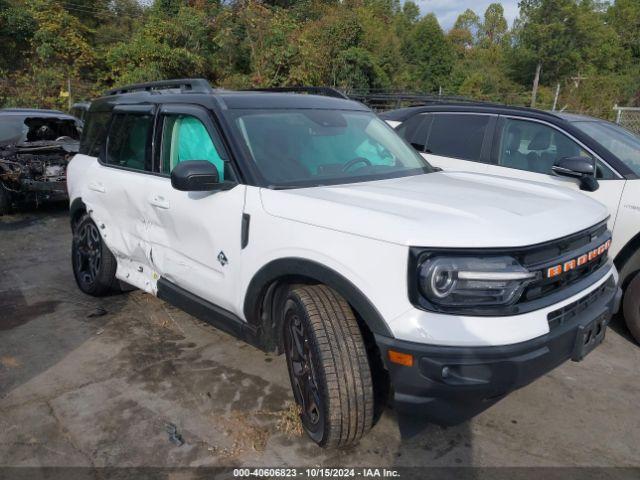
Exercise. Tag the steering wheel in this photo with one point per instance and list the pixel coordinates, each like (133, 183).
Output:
(355, 161)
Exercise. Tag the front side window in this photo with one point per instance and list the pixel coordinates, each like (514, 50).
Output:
(128, 143)
(184, 137)
(622, 143)
(315, 147)
(457, 135)
(534, 146)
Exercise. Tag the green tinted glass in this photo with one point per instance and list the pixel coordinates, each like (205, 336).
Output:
(186, 138)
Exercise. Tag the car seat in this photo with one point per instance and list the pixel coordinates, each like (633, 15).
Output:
(511, 156)
(538, 147)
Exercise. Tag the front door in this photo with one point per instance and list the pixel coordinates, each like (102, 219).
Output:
(195, 236)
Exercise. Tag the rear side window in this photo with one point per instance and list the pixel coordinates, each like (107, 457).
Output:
(457, 136)
(94, 133)
(128, 143)
(415, 131)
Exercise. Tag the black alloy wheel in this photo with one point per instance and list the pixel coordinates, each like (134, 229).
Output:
(303, 372)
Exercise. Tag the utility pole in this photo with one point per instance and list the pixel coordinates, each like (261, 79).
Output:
(69, 91)
(555, 99)
(536, 81)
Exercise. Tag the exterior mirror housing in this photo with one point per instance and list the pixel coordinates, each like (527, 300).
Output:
(581, 168)
(195, 176)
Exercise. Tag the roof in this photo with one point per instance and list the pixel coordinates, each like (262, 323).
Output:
(34, 112)
(402, 114)
(198, 91)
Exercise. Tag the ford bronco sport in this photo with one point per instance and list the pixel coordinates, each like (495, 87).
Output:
(304, 224)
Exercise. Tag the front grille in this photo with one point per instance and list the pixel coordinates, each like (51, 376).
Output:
(557, 252)
(568, 312)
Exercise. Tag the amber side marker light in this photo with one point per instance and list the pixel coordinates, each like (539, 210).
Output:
(404, 359)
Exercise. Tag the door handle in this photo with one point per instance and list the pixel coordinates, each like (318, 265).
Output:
(159, 201)
(97, 187)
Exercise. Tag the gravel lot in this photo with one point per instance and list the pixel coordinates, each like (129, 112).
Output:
(95, 382)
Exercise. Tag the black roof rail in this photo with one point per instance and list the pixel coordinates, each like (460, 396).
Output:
(325, 91)
(185, 85)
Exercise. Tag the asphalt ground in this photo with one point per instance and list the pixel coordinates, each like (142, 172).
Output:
(104, 382)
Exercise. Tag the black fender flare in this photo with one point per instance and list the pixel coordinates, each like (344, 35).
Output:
(76, 209)
(301, 269)
(628, 260)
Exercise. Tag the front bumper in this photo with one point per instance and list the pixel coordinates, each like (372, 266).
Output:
(449, 385)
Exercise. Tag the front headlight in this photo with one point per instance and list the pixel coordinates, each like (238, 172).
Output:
(473, 281)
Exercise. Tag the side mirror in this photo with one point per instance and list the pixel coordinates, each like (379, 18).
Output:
(195, 176)
(581, 168)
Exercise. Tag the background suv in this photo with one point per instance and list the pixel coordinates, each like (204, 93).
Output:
(598, 157)
(304, 224)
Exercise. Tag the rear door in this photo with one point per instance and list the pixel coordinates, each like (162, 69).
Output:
(452, 140)
(527, 149)
(195, 236)
(115, 193)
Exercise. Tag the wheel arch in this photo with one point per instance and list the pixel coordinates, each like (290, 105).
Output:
(268, 283)
(628, 260)
(76, 210)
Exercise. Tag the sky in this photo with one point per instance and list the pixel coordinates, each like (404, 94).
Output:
(447, 11)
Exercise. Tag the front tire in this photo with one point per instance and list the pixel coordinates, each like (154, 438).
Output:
(94, 266)
(631, 307)
(328, 366)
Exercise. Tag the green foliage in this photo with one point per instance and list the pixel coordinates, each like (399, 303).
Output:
(429, 53)
(592, 49)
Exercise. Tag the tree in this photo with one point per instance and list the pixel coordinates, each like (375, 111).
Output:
(60, 45)
(410, 11)
(545, 36)
(494, 27)
(624, 17)
(164, 46)
(429, 54)
(16, 30)
(464, 33)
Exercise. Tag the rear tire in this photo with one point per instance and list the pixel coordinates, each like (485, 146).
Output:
(631, 307)
(328, 365)
(94, 266)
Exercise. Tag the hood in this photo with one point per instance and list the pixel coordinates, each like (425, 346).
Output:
(444, 209)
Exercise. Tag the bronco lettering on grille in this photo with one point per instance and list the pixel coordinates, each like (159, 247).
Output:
(578, 261)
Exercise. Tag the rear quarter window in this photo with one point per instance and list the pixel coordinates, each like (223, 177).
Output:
(457, 135)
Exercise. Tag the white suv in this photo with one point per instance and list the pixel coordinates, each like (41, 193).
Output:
(303, 224)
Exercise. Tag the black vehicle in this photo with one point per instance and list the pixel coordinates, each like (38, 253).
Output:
(576, 151)
(35, 148)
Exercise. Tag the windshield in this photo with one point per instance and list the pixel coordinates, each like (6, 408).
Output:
(12, 129)
(18, 128)
(302, 148)
(622, 143)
